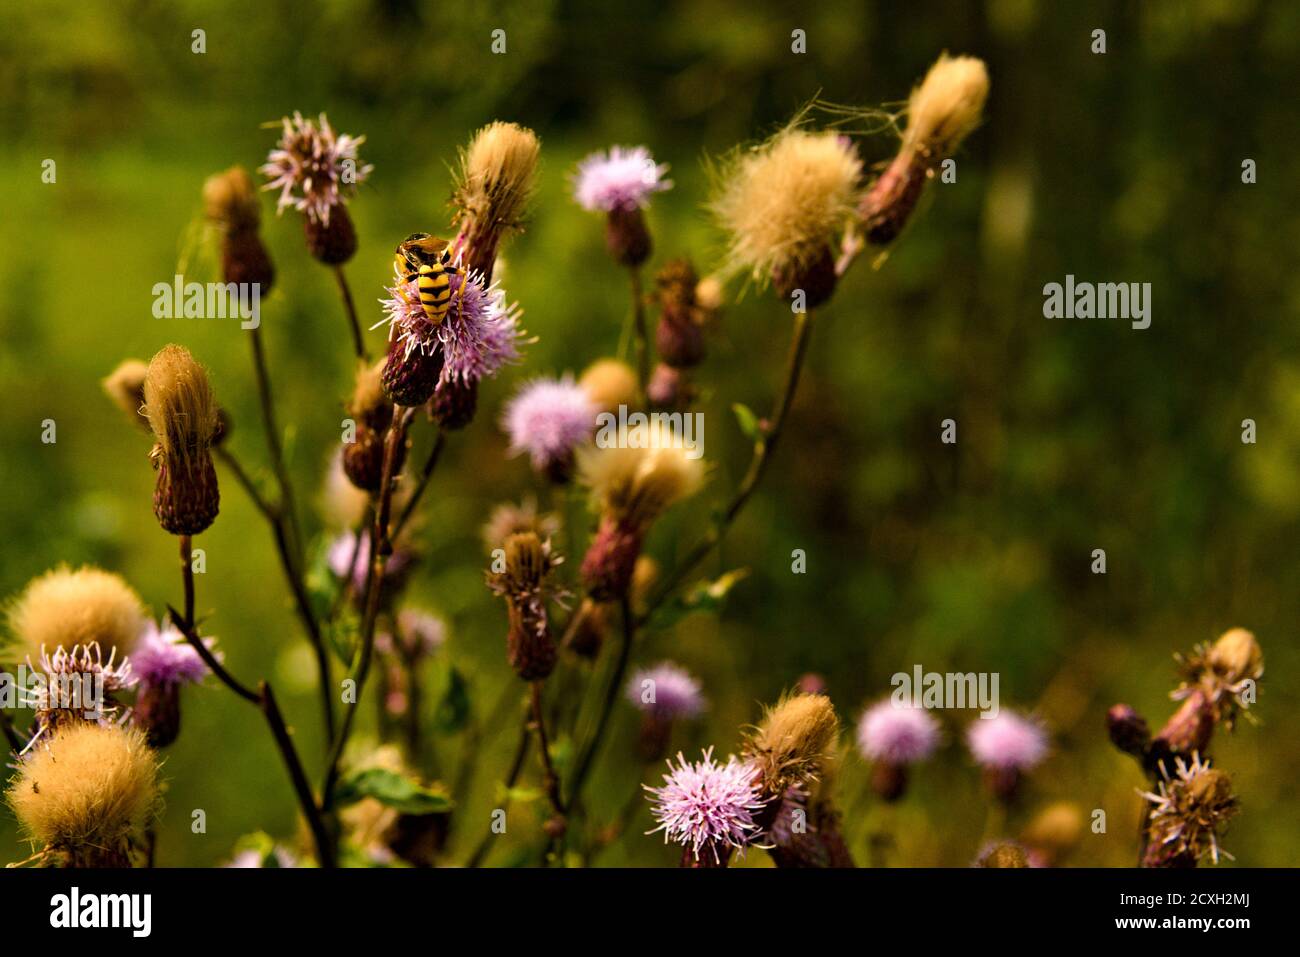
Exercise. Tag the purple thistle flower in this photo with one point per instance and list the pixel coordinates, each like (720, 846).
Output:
(622, 179)
(1007, 741)
(674, 691)
(163, 658)
(314, 168)
(897, 734)
(548, 419)
(706, 804)
(479, 334)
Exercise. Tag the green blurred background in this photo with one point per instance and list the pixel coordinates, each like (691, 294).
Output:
(1073, 435)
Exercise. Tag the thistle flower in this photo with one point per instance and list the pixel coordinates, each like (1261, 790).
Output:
(706, 807)
(183, 415)
(77, 685)
(783, 205)
(370, 409)
(633, 483)
(497, 179)
(1189, 809)
(549, 419)
(892, 738)
(479, 335)
(663, 694)
(609, 383)
(508, 518)
(942, 111)
(793, 743)
(230, 203)
(125, 386)
(163, 663)
(1006, 746)
(83, 607)
(525, 583)
(87, 794)
(619, 183)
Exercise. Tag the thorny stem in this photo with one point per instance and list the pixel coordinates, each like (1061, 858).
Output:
(358, 341)
(512, 778)
(421, 483)
(287, 509)
(380, 549)
(607, 706)
(264, 698)
(763, 450)
(550, 780)
(642, 340)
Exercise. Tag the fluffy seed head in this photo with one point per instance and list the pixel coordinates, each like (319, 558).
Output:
(609, 383)
(179, 404)
(498, 173)
(622, 179)
(638, 479)
(68, 608)
(125, 386)
(1236, 656)
(897, 735)
(87, 786)
(666, 690)
(706, 805)
(230, 200)
(1007, 741)
(794, 741)
(549, 419)
(946, 106)
(783, 203)
(1056, 829)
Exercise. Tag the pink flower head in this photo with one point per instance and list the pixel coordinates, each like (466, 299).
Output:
(706, 804)
(162, 657)
(479, 334)
(548, 419)
(314, 168)
(422, 632)
(349, 560)
(622, 179)
(1007, 741)
(897, 734)
(667, 691)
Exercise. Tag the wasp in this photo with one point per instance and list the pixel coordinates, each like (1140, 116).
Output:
(428, 259)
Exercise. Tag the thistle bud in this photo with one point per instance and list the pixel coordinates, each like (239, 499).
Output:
(363, 457)
(454, 403)
(1236, 657)
(525, 585)
(679, 338)
(184, 419)
(230, 202)
(670, 388)
(611, 559)
(609, 383)
(332, 241)
(793, 743)
(1188, 730)
(410, 376)
(586, 635)
(1128, 730)
(1003, 854)
(626, 237)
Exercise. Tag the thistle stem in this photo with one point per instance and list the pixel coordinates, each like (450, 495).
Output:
(512, 778)
(763, 450)
(358, 341)
(639, 331)
(607, 705)
(421, 483)
(187, 576)
(550, 780)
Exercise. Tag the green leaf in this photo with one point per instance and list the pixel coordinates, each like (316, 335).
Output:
(392, 790)
(748, 421)
(453, 709)
(704, 596)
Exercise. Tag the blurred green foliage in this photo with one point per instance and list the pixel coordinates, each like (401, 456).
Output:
(1073, 435)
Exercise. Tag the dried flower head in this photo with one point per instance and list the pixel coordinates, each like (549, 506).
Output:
(315, 169)
(624, 178)
(497, 178)
(549, 419)
(783, 205)
(185, 420)
(1002, 854)
(87, 792)
(1222, 672)
(508, 518)
(609, 383)
(897, 735)
(646, 472)
(793, 742)
(706, 806)
(1189, 809)
(83, 607)
(525, 583)
(667, 690)
(1007, 741)
(125, 386)
(946, 106)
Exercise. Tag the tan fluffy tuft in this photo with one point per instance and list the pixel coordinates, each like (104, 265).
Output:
(87, 786)
(179, 403)
(609, 383)
(230, 199)
(498, 173)
(783, 203)
(795, 743)
(637, 485)
(66, 607)
(947, 105)
(125, 386)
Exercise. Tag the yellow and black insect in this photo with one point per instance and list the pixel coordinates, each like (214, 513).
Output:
(428, 259)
